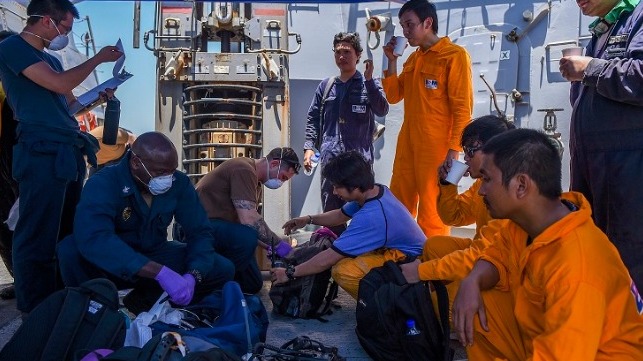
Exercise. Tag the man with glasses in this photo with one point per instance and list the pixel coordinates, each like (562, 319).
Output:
(49, 158)
(120, 230)
(231, 195)
(342, 114)
(451, 258)
(437, 90)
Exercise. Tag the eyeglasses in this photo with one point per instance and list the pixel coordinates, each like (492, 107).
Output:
(57, 23)
(67, 28)
(469, 151)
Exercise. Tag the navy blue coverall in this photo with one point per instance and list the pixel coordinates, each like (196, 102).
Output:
(116, 233)
(606, 141)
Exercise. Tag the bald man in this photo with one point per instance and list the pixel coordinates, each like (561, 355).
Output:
(121, 224)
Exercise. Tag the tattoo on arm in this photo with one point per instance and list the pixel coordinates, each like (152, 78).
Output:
(246, 205)
(265, 234)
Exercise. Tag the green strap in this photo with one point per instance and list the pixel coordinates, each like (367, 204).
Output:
(615, 13)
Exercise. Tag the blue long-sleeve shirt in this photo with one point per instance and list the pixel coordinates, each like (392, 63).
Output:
(348, 122)
(114, 227)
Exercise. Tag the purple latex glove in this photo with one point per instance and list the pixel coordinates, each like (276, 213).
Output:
(179, 288)
(281, 249)
(97, 355)
(191, 283)
(326, 232)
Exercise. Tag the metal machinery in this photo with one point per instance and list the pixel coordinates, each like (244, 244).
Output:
(222, 85)
(228, 87)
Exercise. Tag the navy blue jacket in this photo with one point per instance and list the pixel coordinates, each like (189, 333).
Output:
(349, 121)
(114, 227)
(608, 112)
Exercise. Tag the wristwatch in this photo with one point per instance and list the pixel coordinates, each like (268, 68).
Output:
(290, 272)
(198, 277)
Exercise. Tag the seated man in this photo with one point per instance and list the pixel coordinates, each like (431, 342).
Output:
(120, 230)
(572, 296)
(381, 228)
(230, 195)
(458, 210)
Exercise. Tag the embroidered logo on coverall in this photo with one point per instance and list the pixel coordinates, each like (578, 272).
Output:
(359, 109)
(431, 84)
(127, 212)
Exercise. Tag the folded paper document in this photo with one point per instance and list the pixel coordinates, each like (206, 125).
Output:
(91, 98)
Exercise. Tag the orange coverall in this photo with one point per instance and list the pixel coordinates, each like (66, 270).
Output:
(455, 210)
(436, 86)
(574, 298)
(452, 258)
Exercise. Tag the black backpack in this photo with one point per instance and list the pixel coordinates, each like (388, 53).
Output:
(386, 302)
(69, 323)
(304, 297)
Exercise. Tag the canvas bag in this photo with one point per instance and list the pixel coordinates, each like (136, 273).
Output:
(69, 323)
(308, 296)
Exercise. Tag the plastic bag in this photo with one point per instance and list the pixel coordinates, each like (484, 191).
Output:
(14, 213)
(140, 332)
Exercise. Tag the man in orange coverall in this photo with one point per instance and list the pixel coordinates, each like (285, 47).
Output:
(452, 258)
(435, 84)
(573, 297)
(458, 210)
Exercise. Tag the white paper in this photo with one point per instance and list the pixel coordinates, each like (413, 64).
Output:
(118, 65)
(91, 98)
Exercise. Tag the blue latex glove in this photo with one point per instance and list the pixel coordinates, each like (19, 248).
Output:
(281, 249)
(179, 288)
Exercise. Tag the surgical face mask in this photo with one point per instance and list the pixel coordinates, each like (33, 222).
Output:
(59, 42)
(274, 183)
(158, 185)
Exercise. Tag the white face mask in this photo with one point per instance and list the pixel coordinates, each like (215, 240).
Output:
(274, 183)
(158, 185)
(58, 43)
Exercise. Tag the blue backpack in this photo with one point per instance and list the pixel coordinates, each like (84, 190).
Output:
(228, 319)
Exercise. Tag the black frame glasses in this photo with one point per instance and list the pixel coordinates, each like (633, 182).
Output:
(469, 151)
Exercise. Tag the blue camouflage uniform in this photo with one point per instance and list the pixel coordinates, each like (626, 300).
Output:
(606, 141)
(347, 124)
(116, 233)
(49, 165)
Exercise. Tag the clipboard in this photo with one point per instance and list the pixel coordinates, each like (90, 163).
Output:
(91, 98)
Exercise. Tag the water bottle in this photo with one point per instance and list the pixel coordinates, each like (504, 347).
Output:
(314, 161)
(112, 117)
(411, 329)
